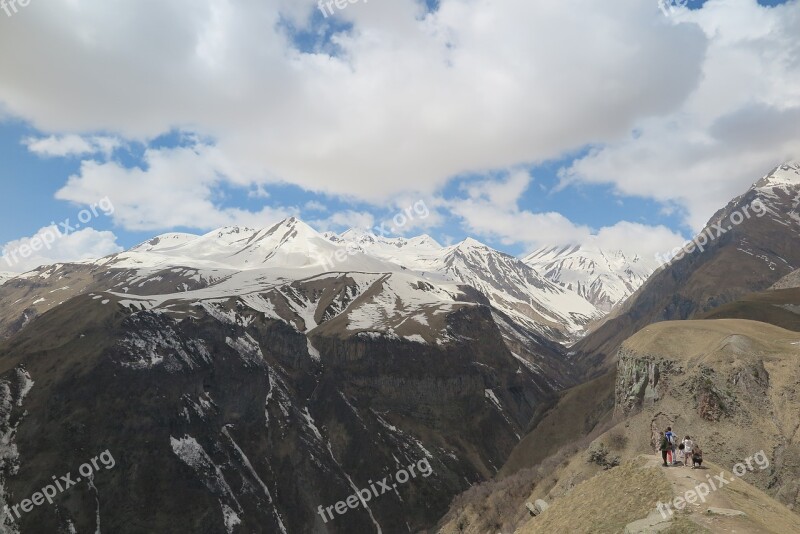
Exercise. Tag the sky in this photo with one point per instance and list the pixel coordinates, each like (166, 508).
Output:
(623, 125)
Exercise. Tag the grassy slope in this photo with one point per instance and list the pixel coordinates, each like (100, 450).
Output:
(774, 307)
(567, 421)
(605, 503)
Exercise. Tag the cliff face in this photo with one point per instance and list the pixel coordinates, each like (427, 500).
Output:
(638, 381)
(236, 422)
(732, 385)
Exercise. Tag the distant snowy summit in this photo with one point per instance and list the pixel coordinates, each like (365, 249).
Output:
(603, 277)
(783, 176)
(293, 250)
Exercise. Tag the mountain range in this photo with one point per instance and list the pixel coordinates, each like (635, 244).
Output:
(708, 346)
(245, 377)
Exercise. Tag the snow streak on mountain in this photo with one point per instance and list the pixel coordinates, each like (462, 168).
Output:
(604, 278)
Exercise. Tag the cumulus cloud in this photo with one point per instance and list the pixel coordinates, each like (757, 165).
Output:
(402, 102)
(741, 121)
(686, 109)
(176, 187)
(359, 220)
(71, 145)
(51, 245)
(492, 210)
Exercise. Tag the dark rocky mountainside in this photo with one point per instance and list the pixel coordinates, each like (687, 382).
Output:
(738, 259)
(247, 413)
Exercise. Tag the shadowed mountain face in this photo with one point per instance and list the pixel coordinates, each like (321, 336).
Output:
(230, 412)
(737, 259)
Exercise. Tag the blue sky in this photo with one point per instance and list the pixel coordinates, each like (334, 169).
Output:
(30, 183)
(605, 130)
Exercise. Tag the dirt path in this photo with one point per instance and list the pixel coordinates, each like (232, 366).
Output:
(718, 510)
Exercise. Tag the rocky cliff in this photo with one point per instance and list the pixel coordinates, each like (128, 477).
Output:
(733, 385)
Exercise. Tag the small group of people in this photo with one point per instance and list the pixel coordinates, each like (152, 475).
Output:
(680, 452)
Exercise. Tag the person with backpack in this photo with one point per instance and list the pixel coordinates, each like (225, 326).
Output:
(664, 447)
(688, 445)
(670, 435)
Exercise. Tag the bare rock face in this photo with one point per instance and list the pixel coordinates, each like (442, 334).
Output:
(220, 414)
(733, 385)
(638, 381)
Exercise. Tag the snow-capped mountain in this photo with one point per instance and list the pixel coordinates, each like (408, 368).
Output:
(508, 283)
(751, 244)
(785, 177)
(604, 278)
(290, 245)
(260, 374)
(4, 276)
(516, 289)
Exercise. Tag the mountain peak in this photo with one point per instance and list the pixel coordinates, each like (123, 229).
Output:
(470, 243)
(787, 174)
(603, 277)
(164, 241)
(230, 232)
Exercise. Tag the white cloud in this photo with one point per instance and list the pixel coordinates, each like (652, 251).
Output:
(176, 188)
(313, 205)
(50, 245)
(359, 220)
(71, 145)
(645, 240)
(741, 121)
(409, 100)
(492, 210)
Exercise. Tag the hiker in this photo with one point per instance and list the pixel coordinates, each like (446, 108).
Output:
(664, 447)
(697, 456)
(671, 439)
(687, 450)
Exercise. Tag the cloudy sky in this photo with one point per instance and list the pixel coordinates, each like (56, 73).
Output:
(522, 124)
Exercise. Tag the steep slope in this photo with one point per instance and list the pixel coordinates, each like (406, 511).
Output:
(709, 379)
(780, 307)
(737, 259)
(508, 283)
(232, 375)
(518, 290)
(246, 412)
(790, 280)
(604, 278)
